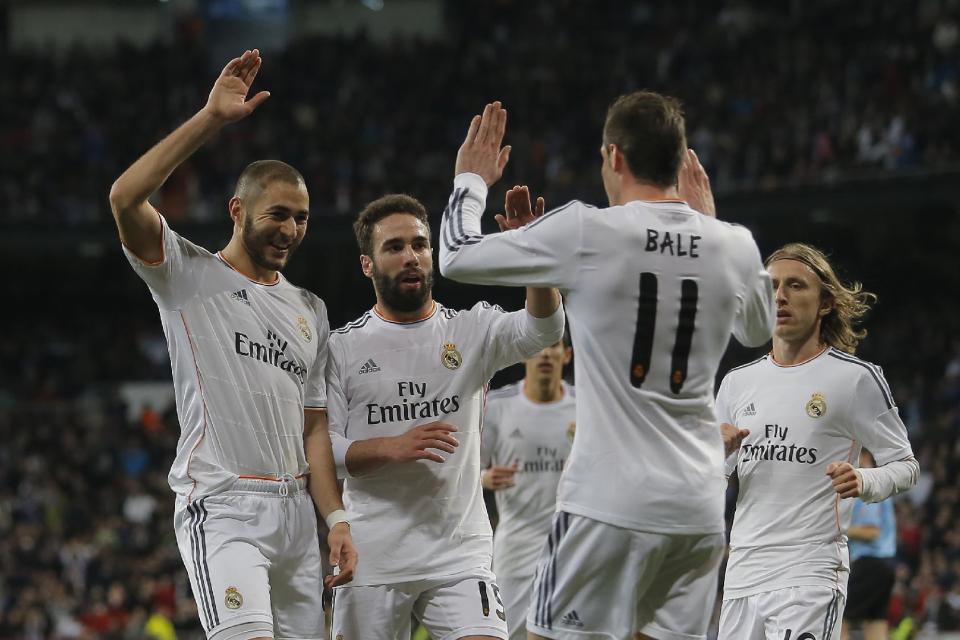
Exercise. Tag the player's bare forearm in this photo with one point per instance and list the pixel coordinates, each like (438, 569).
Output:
(136, 219)
(323, 473)
(542, 303)
(367, 456)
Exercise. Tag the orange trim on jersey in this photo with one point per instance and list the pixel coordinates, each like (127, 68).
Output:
(163, 253)
(426, 317)
(314, 408)
(810, 359)
(203, 400)
(266, 284)
(673, 200)
(272, 478)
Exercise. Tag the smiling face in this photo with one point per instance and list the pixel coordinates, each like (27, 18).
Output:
(401, 266)
(273, 223)
(801, 304)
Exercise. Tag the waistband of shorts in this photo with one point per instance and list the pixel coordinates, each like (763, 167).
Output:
(282, 485)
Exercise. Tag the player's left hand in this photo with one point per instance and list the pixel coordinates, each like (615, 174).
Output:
(732, 438)
(693, 184)
(846, 480)
(481, 152)
(517, 209)
(342, 554)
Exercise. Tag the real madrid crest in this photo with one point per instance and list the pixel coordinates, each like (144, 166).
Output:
(232, 598)
(817, 406)
(571, 431)
(450, 357)
(304, 329)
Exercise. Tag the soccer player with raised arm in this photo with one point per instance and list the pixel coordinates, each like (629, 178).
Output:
(248, 351)
(653, 289)
(528, 429)
(810, 406)
(406, 385)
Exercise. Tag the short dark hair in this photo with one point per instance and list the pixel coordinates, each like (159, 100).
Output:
(649, 130)
(380, 209)
(257, 175)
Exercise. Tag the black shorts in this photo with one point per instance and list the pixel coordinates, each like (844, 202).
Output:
(868, 591)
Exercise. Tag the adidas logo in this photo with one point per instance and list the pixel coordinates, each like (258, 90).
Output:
(516, 433)
(572, 619)
(750, 410)
(240, 296)
(369, 367)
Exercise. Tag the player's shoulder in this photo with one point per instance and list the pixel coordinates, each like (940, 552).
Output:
(352, 329)
(564, 213)
(745, 371)
(504, 393)
(861, 371)
(479, 312)
(308, 298)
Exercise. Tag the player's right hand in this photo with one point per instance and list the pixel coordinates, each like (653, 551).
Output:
(693, 184)
(421, 442)
(228, 98)
(498, 477)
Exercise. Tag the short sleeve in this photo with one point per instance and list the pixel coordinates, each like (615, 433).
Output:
(875, 419)
(174, 279)
(315, 391)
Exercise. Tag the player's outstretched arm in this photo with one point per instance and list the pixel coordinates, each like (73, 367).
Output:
(137, 221)
(326, 495)
(419, 443)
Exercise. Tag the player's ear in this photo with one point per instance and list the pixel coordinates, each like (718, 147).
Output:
(616, 158)
(567, 354)
(366, 265)
(235, 206)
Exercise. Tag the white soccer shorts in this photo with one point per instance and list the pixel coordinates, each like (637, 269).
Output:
(253, 558)
(792, 613)
(595, 580)
(449, 608)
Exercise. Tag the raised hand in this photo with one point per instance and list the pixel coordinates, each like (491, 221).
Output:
(421, 442)
(694, 185)
(481, 152)
(846, 481)
(228, 98)
(517, 211)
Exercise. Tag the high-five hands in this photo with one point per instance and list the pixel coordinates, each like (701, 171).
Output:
(481, 152)
(693, 184)
(228, 98)
(517, 210)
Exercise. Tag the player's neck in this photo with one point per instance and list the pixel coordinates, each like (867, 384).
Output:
(789, 353)
(237, 257)
(542, 393)
(633, 191)
(394, 315)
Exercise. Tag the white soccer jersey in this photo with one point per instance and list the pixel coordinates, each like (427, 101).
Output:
(247, 358)
(790, 527)
(423, 520)
(653, 291)
(537, 437)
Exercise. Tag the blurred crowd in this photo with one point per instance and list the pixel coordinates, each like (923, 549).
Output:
(776, 94)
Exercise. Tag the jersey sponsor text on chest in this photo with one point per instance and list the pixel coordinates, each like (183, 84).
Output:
(411, 403)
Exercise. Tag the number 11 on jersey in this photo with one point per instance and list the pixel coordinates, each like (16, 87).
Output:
(646, 325)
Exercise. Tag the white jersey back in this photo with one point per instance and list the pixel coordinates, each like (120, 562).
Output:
(537, 437)
(422, 519)
(247, 358)
(790, 526)
(653, 291)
